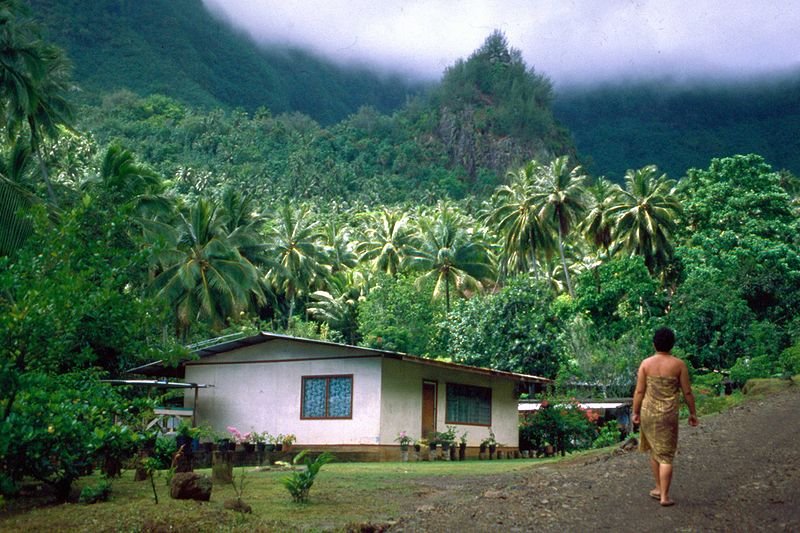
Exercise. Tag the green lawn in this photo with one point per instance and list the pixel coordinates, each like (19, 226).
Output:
(346, 494)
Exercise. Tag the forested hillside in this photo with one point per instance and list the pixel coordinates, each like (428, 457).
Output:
(176, 48)
(677, 127)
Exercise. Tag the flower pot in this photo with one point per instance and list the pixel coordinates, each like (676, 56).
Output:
(279, 447)
(260, 447)
(269, 447)
(185, 442)
(249, 447)
(462, 451)
(492, 449)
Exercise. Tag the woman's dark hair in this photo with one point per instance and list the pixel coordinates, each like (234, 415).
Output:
(663, 339)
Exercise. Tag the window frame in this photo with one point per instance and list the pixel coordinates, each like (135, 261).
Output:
(327, 378)
(487, 391)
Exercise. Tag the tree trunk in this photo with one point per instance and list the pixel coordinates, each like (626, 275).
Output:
(564, 262)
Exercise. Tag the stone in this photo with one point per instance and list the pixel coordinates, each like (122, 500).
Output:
(190, 486)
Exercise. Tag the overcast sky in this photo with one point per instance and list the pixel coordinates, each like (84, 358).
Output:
(570, 41)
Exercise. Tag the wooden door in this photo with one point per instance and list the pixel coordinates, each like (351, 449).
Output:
(428, 408)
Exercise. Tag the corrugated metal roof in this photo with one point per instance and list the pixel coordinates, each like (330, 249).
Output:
(203, 350)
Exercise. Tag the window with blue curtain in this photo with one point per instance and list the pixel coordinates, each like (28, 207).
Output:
(327, 397)
(468, 404)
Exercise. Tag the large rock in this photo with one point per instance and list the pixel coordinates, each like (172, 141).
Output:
(190, 486)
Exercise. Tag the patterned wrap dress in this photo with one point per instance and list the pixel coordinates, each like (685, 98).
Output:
(659, 420)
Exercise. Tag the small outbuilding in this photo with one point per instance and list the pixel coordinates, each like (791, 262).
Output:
(347, 399)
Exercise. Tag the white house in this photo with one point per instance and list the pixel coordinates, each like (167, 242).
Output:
(349, 399)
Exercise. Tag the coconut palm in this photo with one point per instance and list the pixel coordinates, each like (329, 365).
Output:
(386, 242)
(598, 224)
(339, 307)
(452, 254)
(294, 244)
(514, 214)
(201, 273)
(34, 80)
(339, 248)
(646, 216)
(15, 197)
(562, 191)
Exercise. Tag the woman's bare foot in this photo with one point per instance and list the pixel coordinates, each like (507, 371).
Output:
(667, 503)
(655, 494)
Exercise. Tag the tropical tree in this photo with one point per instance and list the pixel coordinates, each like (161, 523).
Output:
(293, 242)
(15, 198)
(453, 254)
(200, 271)
(646, 216)
(338, 307)
(34, 81)
(513, 212)
(598, 224)
(562, 191)
(386, 242)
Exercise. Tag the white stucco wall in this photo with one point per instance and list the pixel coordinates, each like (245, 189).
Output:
(401, 402)
(264, 394)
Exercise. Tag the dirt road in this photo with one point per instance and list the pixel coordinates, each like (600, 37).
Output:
(737, 471)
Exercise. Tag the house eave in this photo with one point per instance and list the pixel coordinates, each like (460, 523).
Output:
(203, 350)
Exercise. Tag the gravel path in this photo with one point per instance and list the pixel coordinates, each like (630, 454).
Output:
(737, 471)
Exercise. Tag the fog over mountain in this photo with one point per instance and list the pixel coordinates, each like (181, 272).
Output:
(573, 42)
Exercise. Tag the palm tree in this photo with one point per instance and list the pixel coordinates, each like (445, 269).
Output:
(646, 216)
(201, 272)
(14, 199)
(514, 213)
(293, 242)
(339, 248)
(387, 241)
(562, 194)
(339, 307)
(598, 224)
(34, 81)
(450, 253)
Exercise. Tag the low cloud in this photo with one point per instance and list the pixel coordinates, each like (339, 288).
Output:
(573, 42)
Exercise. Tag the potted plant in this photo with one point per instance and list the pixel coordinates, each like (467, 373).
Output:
(261, 441)
(287, 441)
(206, 437)
(237, 436)
(462, 447)
(249, 441)
(448, 439)
(185, 434)
(277, 441)
(404, 440)
(489, 442)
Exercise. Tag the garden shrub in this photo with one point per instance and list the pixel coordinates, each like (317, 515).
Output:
(567, 426)
(609, 435)
(99, 492)
(299, 483)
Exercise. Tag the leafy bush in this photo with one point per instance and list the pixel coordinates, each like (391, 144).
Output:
(609, 435)
(99, 492)
(746, 368)
(567, 426)
(299, 483)
(166, 447)
(50, 434)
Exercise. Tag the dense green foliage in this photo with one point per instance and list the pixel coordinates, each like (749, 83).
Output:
(177, 48)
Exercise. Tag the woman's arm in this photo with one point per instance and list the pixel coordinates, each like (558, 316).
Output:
(638, 395)
(686, 387)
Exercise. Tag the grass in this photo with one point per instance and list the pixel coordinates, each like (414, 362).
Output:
(345, 495)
